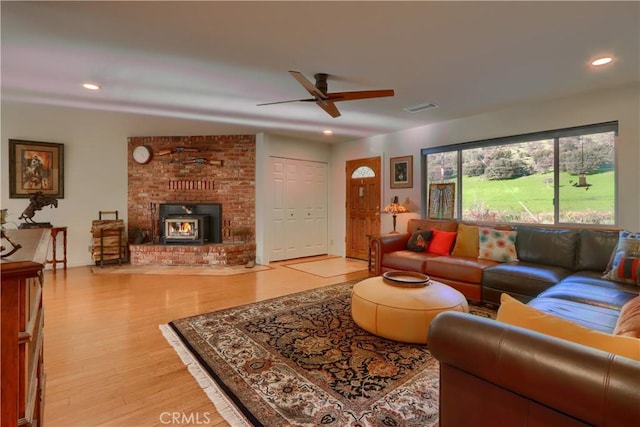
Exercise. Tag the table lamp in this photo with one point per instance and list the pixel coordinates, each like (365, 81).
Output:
(394, 208)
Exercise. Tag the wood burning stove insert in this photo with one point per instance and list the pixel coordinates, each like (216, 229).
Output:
(190, 223)
(186, 229)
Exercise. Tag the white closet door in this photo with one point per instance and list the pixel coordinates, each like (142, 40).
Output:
(293, 194)
(315, 210)
(299, 209)
(278, 210)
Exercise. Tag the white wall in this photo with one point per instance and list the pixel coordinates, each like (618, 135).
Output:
(95, 167)
(95, 144)
(622, 104)
(96, 156)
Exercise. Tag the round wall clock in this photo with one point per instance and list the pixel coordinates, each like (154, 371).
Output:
(142, 154)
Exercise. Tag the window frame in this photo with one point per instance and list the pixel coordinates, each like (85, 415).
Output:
(555, 135)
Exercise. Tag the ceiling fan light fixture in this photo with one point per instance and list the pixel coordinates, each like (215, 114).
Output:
(420, 107)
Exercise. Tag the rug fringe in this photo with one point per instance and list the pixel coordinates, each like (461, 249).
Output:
(225, 408)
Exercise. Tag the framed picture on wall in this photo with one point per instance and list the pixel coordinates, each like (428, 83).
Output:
(35, 166)
(442, 199)
(402, 172)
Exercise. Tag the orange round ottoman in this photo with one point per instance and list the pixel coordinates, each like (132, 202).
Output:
(402, 313)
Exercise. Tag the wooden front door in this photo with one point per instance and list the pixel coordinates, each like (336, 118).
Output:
(363, 205)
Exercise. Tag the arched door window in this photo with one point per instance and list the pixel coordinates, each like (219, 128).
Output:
(363, 172)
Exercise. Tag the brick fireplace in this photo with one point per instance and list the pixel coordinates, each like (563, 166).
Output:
(186, 172)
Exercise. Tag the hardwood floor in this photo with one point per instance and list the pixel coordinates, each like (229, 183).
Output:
(106, 361)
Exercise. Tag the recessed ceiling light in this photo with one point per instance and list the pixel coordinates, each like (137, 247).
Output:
(601, 61)
(91, 86)
(327, 132)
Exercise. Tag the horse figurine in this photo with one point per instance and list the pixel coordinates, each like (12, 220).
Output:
(37, 201)
(5, 252)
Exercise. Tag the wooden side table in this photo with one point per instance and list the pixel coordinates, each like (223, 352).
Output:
(54, 234)
(371, 260)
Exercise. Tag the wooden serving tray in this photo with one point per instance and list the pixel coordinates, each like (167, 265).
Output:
(407, 279)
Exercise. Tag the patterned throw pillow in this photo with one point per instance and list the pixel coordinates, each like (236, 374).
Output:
(497, 245)
(419, 240)
(624, 266)
(625, 243)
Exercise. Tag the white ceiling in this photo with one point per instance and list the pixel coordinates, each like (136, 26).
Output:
(214, 61)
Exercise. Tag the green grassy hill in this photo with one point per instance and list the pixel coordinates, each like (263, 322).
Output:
(532, 196)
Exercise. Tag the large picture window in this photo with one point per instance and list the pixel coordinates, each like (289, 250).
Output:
(554, 177)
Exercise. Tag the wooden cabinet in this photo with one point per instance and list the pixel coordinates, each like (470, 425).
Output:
(22, 375)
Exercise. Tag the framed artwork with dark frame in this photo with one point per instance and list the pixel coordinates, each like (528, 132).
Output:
(35, 166)
(402, 172)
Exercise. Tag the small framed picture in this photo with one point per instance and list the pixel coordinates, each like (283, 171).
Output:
(402, 172)
(35, 166)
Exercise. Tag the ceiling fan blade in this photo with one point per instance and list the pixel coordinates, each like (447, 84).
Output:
(291, 100)
(329, 107)
(326, 100)
(310, 87)
(362, 94)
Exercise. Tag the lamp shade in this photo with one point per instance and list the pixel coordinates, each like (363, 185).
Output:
(394, 208)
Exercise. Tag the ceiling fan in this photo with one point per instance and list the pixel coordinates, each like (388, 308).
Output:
(324, 99)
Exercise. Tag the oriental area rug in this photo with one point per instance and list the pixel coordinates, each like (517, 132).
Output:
(300, 360)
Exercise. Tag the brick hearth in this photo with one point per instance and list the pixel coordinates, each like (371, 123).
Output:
(191, 255)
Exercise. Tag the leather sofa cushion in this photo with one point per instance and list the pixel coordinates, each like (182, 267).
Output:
(590, 316)
(515, 313)
(427, 224)
(492, 296)
(595, 248)
(628, 323)
(405, 260)
(523, 278)
(588, 288)
(461, 269)
(547, 246)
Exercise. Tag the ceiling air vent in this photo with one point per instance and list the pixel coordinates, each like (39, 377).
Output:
(420, 107)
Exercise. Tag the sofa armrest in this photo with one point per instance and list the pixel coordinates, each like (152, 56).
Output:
(572, 379)
(385, 243)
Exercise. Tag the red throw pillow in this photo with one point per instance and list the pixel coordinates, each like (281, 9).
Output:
(441, 242)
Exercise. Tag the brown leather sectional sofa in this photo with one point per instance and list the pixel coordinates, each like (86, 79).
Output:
(493, 373)
(547, 256)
